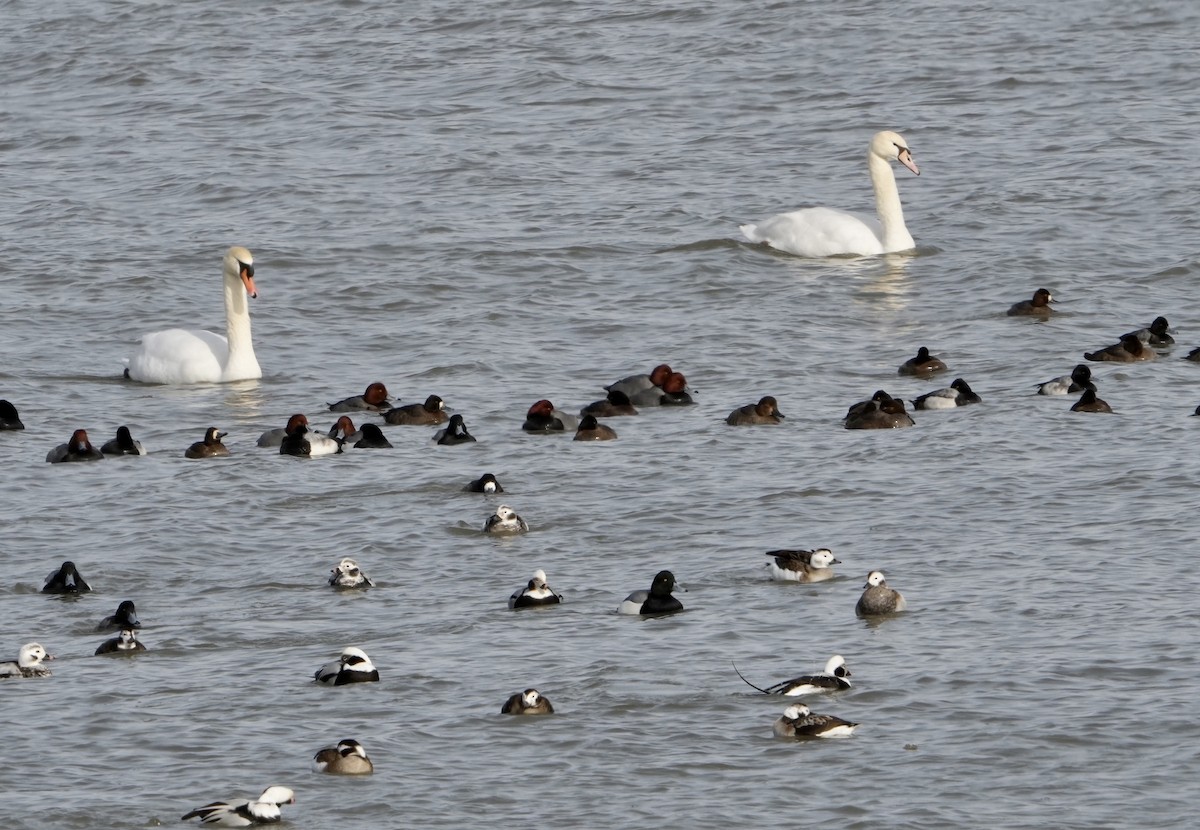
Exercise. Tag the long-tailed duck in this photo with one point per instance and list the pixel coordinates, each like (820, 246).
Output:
(124, 643)
(505, 520)
(263, 810)
(354, 666)
(799, 722)
(832, 679)
(536, 594)
(878, 598)
(802, 565)
(528, 702)
(346, 574)
(28, 662)
(347, 758)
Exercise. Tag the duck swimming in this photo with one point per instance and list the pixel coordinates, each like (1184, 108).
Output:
(374, 399)
(65, 580)
(347, 758)
(528, 702)
(535, 594)
(79, 448)
(655, 602)
(210, 447)
(123, 444)
(28, 662)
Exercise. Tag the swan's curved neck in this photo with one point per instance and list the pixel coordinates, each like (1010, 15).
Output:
(237, 324)
(887, 206)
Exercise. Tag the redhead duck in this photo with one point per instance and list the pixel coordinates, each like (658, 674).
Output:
(592, 430)
(124, 643)
(535, 594)
(274, 437)
(923, 365)
(353, 666)
(1079, 380)
(673, 392)
(28, 663)
(79, 448)
(433, 411)
(1088, 402)
(889, 414)
(124, 617)
(486, 483)
(346, 574)
(505, 520)
(374, 399)
(1038, 306)
(372, 439)
(615, 405)
(343, 430)
(66, 580)
(799, 722)
(1156, 334)
(958, 393)
(877, 598)
(832, 679)
(655, 602)
(347, 758)
(766, 411)
(263, 810)
(210, 447)
(544, 418)
(304, 443)
(528, 702)
(1129, 350)
(123, 444)
(802, 565)
(9, 419)
(454, 432)
(633, 384)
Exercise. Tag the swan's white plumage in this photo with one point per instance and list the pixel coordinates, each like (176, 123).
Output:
(181, 356)
(822, 231)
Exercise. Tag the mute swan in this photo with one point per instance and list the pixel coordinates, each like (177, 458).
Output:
(822, 231)
(190, 356)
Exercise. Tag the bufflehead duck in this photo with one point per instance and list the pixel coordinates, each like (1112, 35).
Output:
(9, 419)
(1079, 379)
(656, 601)
(454, 432)
(889, 414)
(615, 405)
(923, 365)
(124, 643)
(1129, 350)
(542, 417)
(766, 411)
(374, 399)
(79, 448)
(433, 411)
(832, 679)
(346, 574)
(528, 702)
(1038, 306)
(1088, 402)
(372, 439)
(958, 393)
(633, 384)
(802, 565)
(210, 447)
(262, 810)
(123, 444)
(1155, 334)
(535, 594)
(878, 598)
(347, 758)
(354, 666)
(65, 580)
(505, 520)
(799, 722)
(28, 663)
(486, 483)
(124, 617)
(592, 430)
(343, 430)
(274, 437)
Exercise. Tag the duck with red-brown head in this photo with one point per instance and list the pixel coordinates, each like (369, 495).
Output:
(542, 417)
(79, 448)
(766, 411)
(374, 399)
(274, 437)
(640, 383)
(344, 430)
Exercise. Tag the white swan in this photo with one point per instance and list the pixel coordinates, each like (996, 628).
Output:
(822, 231)
(190, 356)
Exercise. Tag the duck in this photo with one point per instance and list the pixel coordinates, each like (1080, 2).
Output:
(245, 813)
(455, 432)
(353, 666)
(433, 411)
(9, 418)
(877, 598)
(615, 405)
(79, 448)
(831, 679)
(958, 393)
(28, 662)
(343, 430)
(1079, 380)
(372, 439)
(346, 574)
(655, 602)
(528, 702)
(922, 365)
(126, 642)
(124, 617)
(542, 417)
(1156, 334)
(1037, 306)
(486, 483)
(210, 447)
(66, 580)
(889, 414)
(505, 520)
(304, 443)
(766, 411)
(181, 356)
(802, 565)
(869, 405)
(1193, 355)
(123, 444)
(535, 594)
(374, 399)
(799, 722)
(825, 232)
(274, 437)
(674, 392)
(347, 758)
(1088, 402)
(1128, 350)
(640, 383)
(592, 430)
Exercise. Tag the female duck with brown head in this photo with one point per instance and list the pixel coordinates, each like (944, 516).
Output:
(180, 356)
